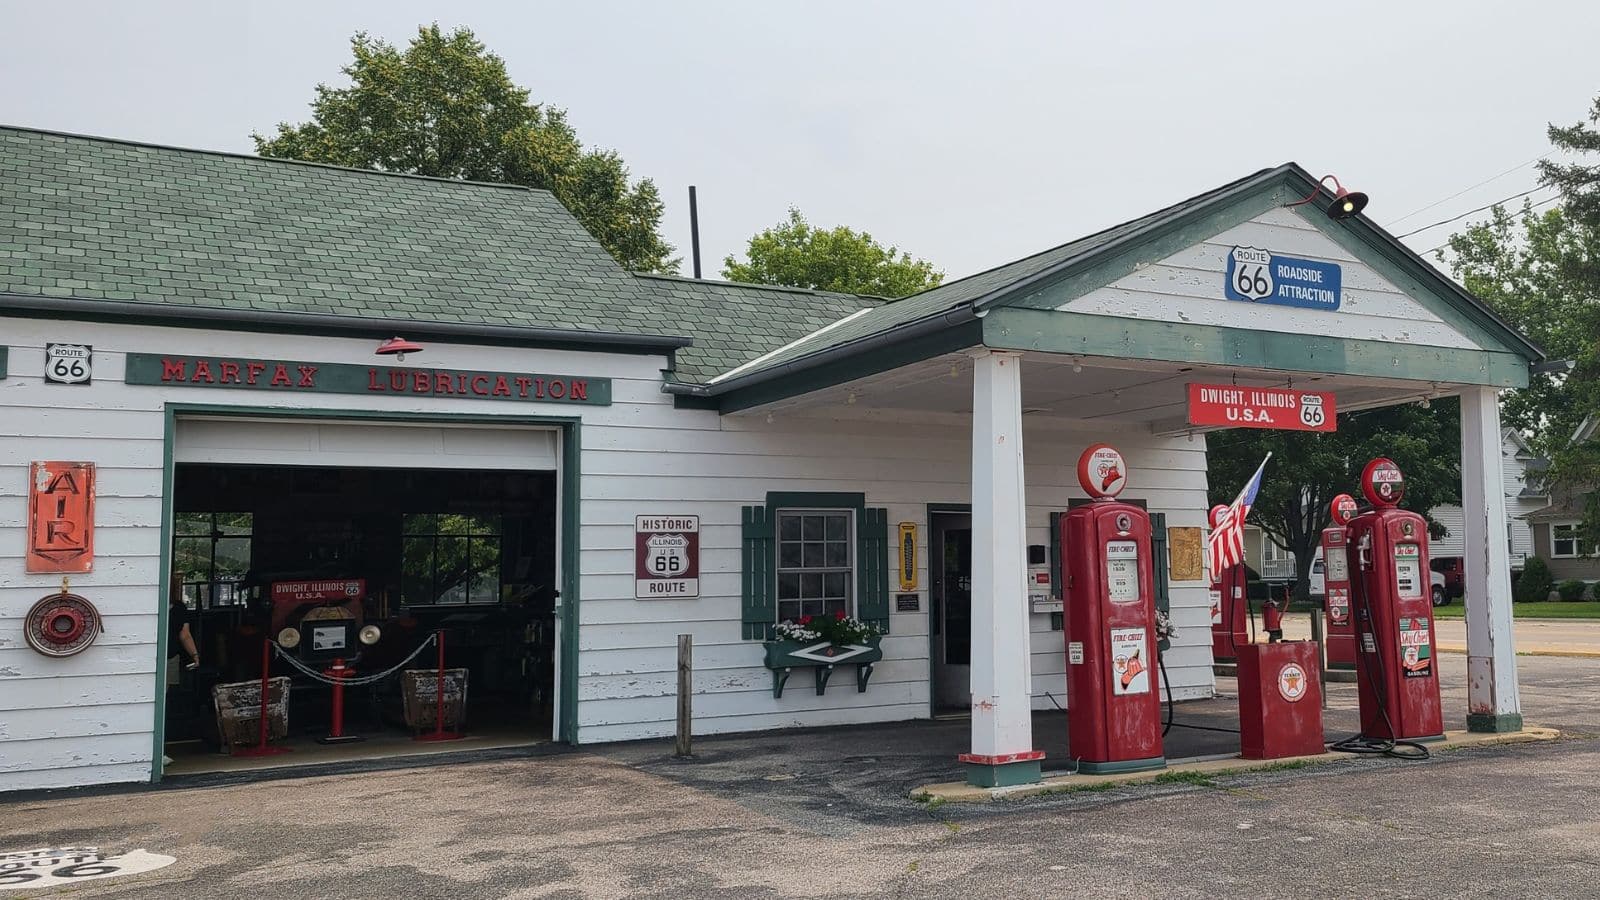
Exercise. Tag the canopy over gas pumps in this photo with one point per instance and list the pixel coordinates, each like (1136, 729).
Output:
(1120, 332)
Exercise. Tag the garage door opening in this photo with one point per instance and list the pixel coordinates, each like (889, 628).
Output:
(261, 549)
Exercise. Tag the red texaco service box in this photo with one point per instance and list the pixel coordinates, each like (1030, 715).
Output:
(1252, 407)
(666, 557)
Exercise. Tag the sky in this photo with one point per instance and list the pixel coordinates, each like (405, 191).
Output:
(968, 134)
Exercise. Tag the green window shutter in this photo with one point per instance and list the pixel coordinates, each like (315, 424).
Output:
(1057, 592)
(758, 609)
(872, 562)
(1158, 560)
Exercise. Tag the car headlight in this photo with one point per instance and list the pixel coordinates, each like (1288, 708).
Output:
(369, 635)
(289, 638)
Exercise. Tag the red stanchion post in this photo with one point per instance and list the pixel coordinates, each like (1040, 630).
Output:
(338, 672)
(261, 748)
(439, 734)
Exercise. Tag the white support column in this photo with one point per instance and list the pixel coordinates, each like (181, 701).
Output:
(1002, 725)
(1492, 700)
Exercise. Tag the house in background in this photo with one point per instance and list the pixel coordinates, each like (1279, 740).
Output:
(1524, 497)
(1555, 525)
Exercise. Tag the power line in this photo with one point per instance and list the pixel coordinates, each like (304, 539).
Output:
(1471, 211)
(1465, 190)
(1432, 250)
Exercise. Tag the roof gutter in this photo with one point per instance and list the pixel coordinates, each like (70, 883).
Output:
(333, 325)
(910, 331)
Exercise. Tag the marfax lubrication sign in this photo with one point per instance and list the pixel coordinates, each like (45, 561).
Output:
(1261, 276)
(666, 557)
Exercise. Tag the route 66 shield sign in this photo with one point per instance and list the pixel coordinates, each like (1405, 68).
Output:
(1249, 274)
(666, 557)
(1312, 415)
(68, 363)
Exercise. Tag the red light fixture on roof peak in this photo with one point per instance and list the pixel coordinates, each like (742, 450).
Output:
(1346, 204)
(398, 347)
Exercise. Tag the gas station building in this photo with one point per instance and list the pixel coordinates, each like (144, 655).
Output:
(573, 465)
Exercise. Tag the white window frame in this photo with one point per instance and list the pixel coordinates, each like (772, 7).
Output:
(849, 569)
(1575, 538)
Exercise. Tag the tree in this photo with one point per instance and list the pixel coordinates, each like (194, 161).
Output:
(1309, 469)
(796, 254)
(446, 108)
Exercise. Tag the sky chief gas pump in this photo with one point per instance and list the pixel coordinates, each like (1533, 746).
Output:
(1113, 709)
(1393, 614)
(1341, 629)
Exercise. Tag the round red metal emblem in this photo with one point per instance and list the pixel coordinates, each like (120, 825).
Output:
(1102, 471)
(1343, 509)
(1292, 682)
(61, 625)
(1382, 482)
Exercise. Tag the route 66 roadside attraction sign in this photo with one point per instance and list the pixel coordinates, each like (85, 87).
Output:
(666, 557)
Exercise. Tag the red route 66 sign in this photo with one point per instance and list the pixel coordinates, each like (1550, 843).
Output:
(666, 557)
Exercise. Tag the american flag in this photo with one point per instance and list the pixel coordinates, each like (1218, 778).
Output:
(1226, 546)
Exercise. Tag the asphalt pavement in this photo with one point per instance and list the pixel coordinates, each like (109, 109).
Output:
(824, 814)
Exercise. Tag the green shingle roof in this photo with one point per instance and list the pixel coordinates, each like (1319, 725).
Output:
(100, 219)
(733, 324)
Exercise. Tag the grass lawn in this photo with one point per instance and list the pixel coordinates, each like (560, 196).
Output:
(1586, 609)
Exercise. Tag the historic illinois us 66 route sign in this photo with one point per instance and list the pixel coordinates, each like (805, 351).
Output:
(666, 557)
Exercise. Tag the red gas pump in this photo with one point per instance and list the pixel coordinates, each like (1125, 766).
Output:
(1340, 626)
(1393, 613)
(1229, 611)
(1113, 709)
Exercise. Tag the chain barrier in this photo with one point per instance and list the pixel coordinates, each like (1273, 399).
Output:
(362, 681)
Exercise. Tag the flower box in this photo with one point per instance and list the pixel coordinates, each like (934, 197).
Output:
(784, 656)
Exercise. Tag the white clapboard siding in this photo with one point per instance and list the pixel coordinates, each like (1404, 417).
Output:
(1188, 286)
(639, 456)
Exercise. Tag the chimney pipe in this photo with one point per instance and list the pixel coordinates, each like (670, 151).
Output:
(694, 231)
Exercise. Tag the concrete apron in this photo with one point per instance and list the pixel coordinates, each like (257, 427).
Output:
(1183, 770)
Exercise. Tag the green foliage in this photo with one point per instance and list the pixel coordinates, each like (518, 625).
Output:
(1535, 582)
(445, 107)
(1571, 590)
(796, 254)
(1309, 469)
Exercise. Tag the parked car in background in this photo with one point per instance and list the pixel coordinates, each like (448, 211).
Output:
(1454, 570)
(1439, 589)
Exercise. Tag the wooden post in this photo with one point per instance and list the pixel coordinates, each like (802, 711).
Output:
(1494, 701)
(685, 694)
(1322, 645)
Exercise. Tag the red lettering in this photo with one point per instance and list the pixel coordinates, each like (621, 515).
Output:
(229, 370)
(59, 530)
(523, 383)
(280, 377)
(253, 371)
(538, 388)
(558, 388)
(461, 384)
(580, 390)
(441, 383)
(308, 376)
(63, 481)
(501, 389)
(202, 371)
(480, 385)
(421, 382)
(372, 381)
(174, 369)
(397, 379)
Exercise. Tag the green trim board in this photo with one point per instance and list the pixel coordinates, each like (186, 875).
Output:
(1494, 723)
(5, 354)
(1120, 766)
(571, 479)
(293, 376)
(1053, 331)
(1004, 775)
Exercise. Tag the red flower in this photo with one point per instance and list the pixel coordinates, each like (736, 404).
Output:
(839, 616)
(805, 620)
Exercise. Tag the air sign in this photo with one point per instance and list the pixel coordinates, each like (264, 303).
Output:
(1249, 407)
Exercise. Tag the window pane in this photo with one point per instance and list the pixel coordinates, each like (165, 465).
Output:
(232, 559)
(811, 585)
(837, 554)
(450, 569)
(191, 556)
(788, 528)
(813, 555)
(789, 610)
(789, 554)
(811, 528)
(416, 571)
(485, 559)
(419, 523)
(833, 585)
(834, 607)
(484, 524)
(838, 527)
(788, 587)
(192, 523)
(234, 523)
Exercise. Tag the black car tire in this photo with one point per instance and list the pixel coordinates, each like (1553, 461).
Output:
(1440, 596)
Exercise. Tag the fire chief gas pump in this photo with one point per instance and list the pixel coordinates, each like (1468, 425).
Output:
(1228, 606)
(1393, 614)
(1341, 630)
(1113, 710)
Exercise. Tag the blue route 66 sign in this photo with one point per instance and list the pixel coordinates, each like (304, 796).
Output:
(1261, 276)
